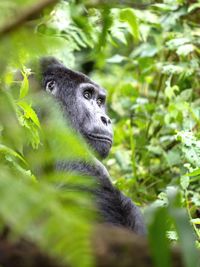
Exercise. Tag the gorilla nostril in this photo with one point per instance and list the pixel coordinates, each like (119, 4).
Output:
(104, 120)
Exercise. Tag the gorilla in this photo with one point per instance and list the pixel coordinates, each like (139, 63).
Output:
(83, 103)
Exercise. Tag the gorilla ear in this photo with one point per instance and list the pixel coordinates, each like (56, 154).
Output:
(46, 65)
(51, 87)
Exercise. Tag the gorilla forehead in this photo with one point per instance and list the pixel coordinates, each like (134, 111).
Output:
(54, 69)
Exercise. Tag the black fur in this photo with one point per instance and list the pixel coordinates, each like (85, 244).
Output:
(88, 116)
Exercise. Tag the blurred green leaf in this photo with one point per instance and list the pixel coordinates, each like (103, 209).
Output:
(29, 113)
(185, 181)
(129, 16)
(184, 230)
(159, 244)
(25, 84)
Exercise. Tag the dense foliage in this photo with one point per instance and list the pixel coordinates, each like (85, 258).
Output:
(147, 56)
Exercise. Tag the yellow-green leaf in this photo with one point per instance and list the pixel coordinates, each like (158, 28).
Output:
(29, 112)
(6, 150)
(128, 15)
(24, 86)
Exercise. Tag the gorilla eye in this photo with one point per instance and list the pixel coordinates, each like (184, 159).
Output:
(87, 94)
(99, 102)
(50, 85)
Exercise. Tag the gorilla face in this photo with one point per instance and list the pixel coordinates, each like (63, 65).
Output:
(83, 102)
(95, 125)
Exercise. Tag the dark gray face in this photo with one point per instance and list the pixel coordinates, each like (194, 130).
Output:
(83, 102)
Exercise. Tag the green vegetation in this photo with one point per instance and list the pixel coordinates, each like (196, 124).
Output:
(146, 54)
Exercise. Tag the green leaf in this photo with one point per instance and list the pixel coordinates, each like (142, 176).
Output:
(29, 112)
(165, 7)
(196, 221)
(159, 243)
(190, 147)
(172, 69)
(116, 59)
(128, 15)
(194, 173)
(185, 95)
(175, 43)
(183, 227)
(8, 151)
(185, 181)
(24, 87)
(25, 83)
(170, 91)
(186, 49)
(172, 235)
(193, 7)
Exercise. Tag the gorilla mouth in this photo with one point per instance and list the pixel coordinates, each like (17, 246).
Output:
(102, 138)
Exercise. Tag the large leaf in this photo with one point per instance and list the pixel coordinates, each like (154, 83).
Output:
(129, 16)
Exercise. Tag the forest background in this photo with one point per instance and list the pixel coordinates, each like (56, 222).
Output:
(146, 54)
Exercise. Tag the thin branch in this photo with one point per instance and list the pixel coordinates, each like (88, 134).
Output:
(122, 3)
(25, 15)
(160, 82)
(171, 145)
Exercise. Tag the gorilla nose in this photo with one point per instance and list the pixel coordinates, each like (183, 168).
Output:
(105, 120)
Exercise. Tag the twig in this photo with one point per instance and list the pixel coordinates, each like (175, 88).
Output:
(189, 214)
(159, 87)
(115, 3)
(171, 145)
(25, 15)
(155, 101)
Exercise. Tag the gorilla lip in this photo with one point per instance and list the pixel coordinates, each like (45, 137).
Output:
(100, 138)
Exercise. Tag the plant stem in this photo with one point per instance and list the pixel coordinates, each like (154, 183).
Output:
(189, 214)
